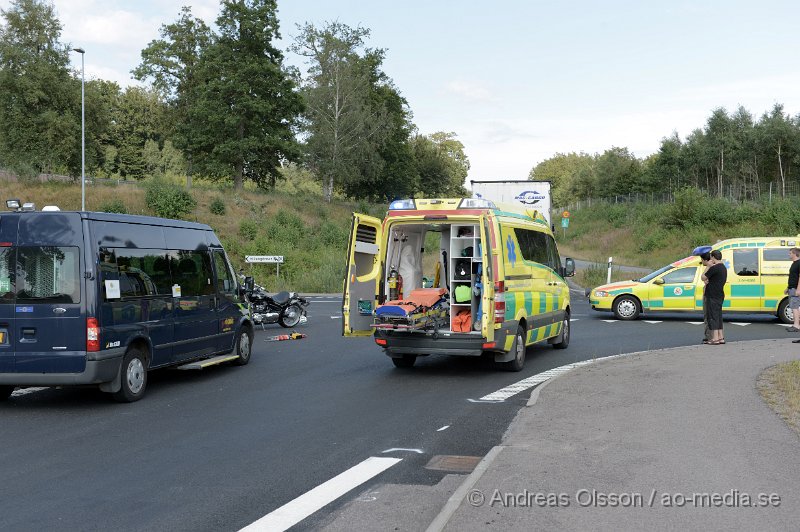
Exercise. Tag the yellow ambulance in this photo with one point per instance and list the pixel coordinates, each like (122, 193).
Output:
(758, 269)
(496, 265)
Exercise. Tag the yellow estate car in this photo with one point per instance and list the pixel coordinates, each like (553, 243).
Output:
(757, 277)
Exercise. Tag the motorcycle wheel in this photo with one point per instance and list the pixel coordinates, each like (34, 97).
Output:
(290, 316)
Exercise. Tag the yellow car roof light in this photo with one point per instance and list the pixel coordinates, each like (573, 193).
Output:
(403, 205)
(476, 203)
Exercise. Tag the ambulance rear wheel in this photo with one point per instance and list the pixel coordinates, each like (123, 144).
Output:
(406, 361)
(518, 362)
(626, 308)
(785, 313)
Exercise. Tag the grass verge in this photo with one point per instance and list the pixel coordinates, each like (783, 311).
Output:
(780, 387)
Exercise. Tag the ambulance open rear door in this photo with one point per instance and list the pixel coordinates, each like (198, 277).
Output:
(364, 266)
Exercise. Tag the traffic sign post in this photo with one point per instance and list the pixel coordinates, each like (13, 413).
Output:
(277, 260)
(565, 222)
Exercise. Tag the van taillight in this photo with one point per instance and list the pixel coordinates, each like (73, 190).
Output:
(499, 302)
(92, 334)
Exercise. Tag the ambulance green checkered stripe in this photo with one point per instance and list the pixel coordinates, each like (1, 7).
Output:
(744, 245)
(542, 302)
(654, 304)
(619, 291)
(747, 290)
(539, 334)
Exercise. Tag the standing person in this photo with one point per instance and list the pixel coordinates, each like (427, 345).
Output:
(705, 259)
(793, 289)
(715, 278)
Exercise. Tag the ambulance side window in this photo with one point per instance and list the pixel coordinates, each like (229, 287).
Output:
(680, 276)
(745, 262)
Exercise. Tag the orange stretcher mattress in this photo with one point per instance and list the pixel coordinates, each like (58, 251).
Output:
(418, 299)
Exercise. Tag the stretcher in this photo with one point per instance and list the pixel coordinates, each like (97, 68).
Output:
(423, 308)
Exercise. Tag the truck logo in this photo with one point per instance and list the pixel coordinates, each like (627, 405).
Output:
(530, 197)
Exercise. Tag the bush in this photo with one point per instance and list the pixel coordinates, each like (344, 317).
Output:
(688, 208)
(217, 206)
(617, 215)
(116, 206)
(653, 240)
(248, 229)
(169, 200)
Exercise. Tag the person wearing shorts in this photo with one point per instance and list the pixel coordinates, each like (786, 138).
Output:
(793, 289)
(715, 278)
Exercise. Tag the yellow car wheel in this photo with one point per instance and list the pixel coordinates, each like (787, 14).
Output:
(626, 308)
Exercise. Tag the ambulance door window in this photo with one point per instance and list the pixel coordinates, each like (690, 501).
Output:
(680, 276)
(745, 262)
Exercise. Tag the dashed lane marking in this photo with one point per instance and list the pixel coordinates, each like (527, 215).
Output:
(295, 511)
(611, 321)
(336, 317)
(574, 319)
(696, 322)
(402, 449)
(739, 323)
(443, 428)
(652, 321)
(26, 391)
(530, 382)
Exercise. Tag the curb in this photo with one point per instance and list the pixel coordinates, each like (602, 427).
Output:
(457, 498)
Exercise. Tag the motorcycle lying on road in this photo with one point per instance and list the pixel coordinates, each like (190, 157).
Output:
(285, 308)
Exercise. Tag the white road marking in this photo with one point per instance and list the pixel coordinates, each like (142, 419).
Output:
(530, 382)
(394, 449)
(295, 511)
(610, 321)
(786, 325)
(335, 317)
(26, 391)
(574, 319)
(739, 323)
(651, 321)
(696, 322)
(482, 401)
(443, 428)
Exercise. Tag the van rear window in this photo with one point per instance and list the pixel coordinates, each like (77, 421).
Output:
(48, 274)
(7, 273)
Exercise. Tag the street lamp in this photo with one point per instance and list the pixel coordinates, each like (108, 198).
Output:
(83, 134)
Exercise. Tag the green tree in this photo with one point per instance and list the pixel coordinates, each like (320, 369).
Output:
(777, 143)
(564, 171)
(442, 164)
(245, 108)
(39, 97)
(345, 126)
(172, 64)
(139, 118)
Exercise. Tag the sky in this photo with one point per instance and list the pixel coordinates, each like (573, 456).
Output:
(520, 81)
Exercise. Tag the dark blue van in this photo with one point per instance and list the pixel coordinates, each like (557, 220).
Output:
(96, 298)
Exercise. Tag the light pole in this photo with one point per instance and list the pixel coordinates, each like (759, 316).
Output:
(83, 135)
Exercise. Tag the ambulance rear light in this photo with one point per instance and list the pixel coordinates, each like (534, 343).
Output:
(92, 335)
(402, 205)
(499, 302)
(476, 203)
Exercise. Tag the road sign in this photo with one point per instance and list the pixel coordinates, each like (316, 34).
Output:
(565, 214)
(565, 222)
(270, 259)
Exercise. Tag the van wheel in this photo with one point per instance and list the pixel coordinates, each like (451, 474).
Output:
(626, 308)
(518, 362)
(406, 361)
(244, 346)
(565, 332)
(133, 378)
(5, 392)
(784, 312)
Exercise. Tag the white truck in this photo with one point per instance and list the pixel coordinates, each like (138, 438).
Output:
(531, 194)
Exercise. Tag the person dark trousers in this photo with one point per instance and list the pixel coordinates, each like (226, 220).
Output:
(793, 290)
(705, 258)
(715, 278)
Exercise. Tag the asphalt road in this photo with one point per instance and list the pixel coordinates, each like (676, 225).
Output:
(219, 449)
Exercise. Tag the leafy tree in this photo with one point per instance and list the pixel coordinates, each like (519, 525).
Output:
(39, 98)
(563, 170)
(344, 123)
(619, 172)
(245, 107)
(777, 136)
(172, 63)
(139, 118)
(441, 164)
